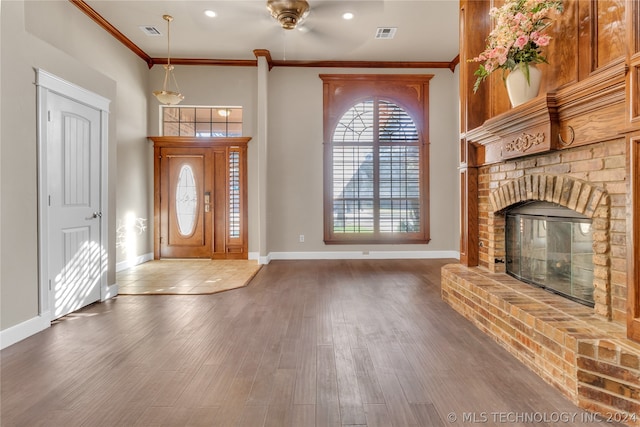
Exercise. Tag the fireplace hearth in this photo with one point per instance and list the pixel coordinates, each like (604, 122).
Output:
(551, 246)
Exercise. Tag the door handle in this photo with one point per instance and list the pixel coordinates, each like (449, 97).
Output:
(95, 215)
(207, 201)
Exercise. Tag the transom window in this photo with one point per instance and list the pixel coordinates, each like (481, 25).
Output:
(201, 121)
(375, 168)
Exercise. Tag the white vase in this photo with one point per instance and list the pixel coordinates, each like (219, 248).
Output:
(519, 89)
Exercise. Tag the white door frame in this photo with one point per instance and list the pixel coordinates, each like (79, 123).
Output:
(48, 83)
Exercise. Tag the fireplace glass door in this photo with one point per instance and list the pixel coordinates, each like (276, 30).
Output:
(551, 247)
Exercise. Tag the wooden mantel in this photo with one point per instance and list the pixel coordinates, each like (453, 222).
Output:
(586, 112)
(527, 129)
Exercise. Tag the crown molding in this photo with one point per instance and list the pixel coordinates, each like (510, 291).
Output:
(108, 27)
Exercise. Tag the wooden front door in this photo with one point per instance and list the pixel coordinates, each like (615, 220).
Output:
(185, 203)
(200, 198)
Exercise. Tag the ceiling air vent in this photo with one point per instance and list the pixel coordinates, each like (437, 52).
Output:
(150, 30)
(386, 32)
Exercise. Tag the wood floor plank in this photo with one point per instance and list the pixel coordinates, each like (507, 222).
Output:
(253, 415)
(305, 387)
(261, 390)
(400, 412)
(205, 417)
(367, 380)
(279, 415)
(351, 409)
(377, 415)
(328, 415)
(303, 416)
(327, 378)
(427, 415)
(307, 343)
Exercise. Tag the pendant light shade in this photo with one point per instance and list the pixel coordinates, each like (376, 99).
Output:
(166, 96)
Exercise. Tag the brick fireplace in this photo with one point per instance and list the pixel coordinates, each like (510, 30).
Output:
(580, 196)
(576, 146)
(582, 351)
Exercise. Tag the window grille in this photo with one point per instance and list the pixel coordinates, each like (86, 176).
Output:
(376, 170)
(202, 122)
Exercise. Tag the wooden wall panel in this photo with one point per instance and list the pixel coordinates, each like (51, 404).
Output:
(563, 64)
(609, 31)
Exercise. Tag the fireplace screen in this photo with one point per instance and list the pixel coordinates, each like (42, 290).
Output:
(551, 246)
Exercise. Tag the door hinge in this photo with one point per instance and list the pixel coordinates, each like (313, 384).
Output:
(49, 284)
(49, 200)
(49, 115)
(161, 239)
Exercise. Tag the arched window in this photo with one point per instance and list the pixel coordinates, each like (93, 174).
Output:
(376, 177)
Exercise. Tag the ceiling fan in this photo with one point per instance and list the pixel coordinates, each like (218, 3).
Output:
(288, 13)
(318, 21)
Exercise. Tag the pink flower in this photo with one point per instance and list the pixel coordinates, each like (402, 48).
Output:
(517, 35)
(542, 40)
(521, 41)
(500, 54)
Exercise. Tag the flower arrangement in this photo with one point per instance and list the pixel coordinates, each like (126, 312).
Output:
(517, 37)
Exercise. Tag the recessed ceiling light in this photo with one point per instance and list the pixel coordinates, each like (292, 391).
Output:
(347, 15)
(210, 13)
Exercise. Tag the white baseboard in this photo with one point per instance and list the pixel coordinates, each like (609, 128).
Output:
(123, 265)
(24, 330)
(260, 259)
(360, 255)
(110, 292)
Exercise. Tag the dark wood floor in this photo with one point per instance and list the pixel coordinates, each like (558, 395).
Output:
(307, 343)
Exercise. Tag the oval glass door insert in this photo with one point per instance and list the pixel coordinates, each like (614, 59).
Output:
(186, 201)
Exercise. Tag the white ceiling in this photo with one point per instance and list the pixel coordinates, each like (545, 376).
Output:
(427, 30)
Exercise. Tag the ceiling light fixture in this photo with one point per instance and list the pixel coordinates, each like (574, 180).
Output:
(347, 16)
(210, 13)
(288, 13)
(165, 96)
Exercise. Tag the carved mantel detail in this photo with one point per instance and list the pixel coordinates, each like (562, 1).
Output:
(524, 142)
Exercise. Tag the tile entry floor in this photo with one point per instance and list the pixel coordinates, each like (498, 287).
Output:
(186, 276)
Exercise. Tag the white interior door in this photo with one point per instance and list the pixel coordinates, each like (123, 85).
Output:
(76, 259)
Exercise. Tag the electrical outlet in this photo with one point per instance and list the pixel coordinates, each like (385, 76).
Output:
(302, 238)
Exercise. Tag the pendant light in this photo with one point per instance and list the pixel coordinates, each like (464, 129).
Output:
(165, 96)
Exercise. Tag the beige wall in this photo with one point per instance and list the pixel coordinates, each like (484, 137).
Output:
(294, 145)
(56, 36)
(295, 161)
(209, 85)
